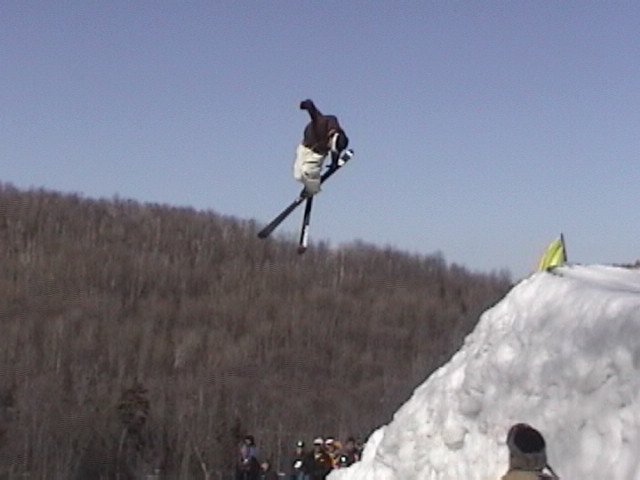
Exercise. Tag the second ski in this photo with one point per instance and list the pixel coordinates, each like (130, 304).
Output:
(271, 226)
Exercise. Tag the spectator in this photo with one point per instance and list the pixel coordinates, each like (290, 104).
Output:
(267, 473)
(318, 463)
(297, 463)
(349, 453)
(527, 455)
(248, 467)
(359, 448)
(332, 447)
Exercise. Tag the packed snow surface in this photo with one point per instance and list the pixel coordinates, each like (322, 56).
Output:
(561, 352)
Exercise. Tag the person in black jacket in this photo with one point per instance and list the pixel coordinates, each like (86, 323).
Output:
(296, 463)
(318, 463)
(322, 135)
(247, 466)
(267, 472)
(349, 454)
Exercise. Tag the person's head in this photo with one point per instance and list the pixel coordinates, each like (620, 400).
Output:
(265, 466)
(330, 444)
(299, 445)
(350, 444)
(249, 440)
(318, 444)
(527, 448)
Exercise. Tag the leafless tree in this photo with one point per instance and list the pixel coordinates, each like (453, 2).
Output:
(140, 338)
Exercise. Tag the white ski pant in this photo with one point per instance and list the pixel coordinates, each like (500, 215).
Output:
(307, 168)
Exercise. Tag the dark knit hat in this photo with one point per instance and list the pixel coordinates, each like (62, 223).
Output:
(526, 438)
(527, 449)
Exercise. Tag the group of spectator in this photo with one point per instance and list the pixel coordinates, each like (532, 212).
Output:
(315, 463)
(527, 458)
(325, 455)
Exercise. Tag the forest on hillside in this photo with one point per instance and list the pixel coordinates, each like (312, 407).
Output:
(137, 338)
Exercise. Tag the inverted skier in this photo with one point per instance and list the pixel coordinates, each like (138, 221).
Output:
(322, 135)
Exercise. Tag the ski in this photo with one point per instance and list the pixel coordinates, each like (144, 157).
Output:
(304, 231)
(266, 231)
(271, 226)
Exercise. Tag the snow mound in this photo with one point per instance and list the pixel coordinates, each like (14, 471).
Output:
(561, 352)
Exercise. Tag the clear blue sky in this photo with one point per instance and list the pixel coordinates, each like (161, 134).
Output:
(482, 129)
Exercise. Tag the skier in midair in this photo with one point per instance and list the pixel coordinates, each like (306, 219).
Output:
(322, 135)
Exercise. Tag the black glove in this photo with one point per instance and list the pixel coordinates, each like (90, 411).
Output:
(306, 104)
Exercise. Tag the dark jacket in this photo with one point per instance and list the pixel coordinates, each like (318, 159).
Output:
(247, 468)
(296, 462)
(269, 475)
(318, 465)
(319, 130)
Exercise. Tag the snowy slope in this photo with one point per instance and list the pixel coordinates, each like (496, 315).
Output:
(562, 352)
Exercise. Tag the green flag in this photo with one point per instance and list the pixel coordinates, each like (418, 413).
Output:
(554, 256)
